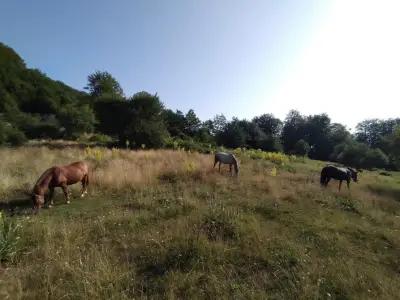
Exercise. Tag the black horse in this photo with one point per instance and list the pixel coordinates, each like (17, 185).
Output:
(338, 173)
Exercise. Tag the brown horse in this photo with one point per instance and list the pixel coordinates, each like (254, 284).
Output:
(60, 176)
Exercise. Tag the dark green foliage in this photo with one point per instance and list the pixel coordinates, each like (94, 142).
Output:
(349, 153)
(34, 104)
(189, 144)
(359, 155)
(373, 131)
(146, 126)
(301, 148)
(10, 135)
(374, 158)
(76, 120)
(192, 123)
(218, 124)
(112, 116)
(233, 135)
(293, 130)
(175, 122)
(103, 84)
(269, 124)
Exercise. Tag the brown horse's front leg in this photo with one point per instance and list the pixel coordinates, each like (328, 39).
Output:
(50, 199)
(65, 190)
(340, 184)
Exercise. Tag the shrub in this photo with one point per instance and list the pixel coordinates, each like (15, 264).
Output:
(96, 154)
(10, 135)
(301, 147)
(374, 158)
(96, 138)
(189, 144)
(275, 157)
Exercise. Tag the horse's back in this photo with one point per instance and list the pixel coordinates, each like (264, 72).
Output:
(71, 173)
(81, 165)
(225, 157)
(335, 172)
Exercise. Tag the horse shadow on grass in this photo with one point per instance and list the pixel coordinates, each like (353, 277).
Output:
(17, 206)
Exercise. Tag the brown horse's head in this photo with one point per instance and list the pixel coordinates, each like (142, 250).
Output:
(38, 201)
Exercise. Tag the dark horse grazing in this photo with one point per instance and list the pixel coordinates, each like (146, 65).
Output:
(60, 176)
(226, 158)
(338, 173)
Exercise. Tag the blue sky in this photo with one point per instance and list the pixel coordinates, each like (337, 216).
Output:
(240, 58)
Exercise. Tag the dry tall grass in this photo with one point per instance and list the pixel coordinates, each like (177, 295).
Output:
(113, 169)
(163, 224)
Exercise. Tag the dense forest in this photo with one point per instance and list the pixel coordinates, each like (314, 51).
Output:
(33, 106)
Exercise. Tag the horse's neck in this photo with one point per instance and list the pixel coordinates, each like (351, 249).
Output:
(43, 184)
(234, 160)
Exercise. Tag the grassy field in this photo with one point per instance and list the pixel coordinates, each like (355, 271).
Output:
(163, 224)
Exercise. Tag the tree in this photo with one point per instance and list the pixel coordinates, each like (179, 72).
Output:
(103, 84)
(373, 131)
(113, 116)
(192, 123)
(33, 104)
(392, 144)
(374, 158)
(316, 134)
(293, 130)
(338, 134)
(77, 120)
(175, 122)
(268, 137)
(146, 126)
(301, 148)
(219, 122)
(10, 135)
(268, 124)
(233, 135)
(350, 153)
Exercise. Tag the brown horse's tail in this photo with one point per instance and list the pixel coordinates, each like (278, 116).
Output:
(86, 178)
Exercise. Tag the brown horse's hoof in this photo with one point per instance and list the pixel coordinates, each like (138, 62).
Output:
(50, 206)
(68, 202)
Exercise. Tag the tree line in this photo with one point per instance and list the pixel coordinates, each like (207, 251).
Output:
(32, 106)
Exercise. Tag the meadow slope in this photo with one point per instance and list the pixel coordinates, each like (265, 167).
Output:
(164, 224)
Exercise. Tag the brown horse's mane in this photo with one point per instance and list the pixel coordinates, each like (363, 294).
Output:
(43, 177)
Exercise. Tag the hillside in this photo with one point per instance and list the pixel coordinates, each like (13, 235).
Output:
(34, 104)
(163, 224)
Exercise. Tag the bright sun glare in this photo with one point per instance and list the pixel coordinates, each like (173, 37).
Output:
(351, 69)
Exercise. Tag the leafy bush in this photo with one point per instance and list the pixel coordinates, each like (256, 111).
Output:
(189, 144)
(374, 158)
(275, 157)
(96, 138)
(301, 147)
(10, 135)
(349, 153)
